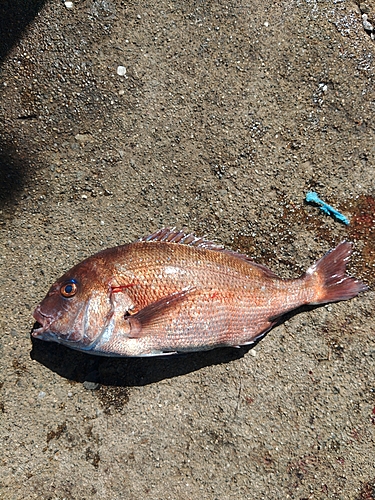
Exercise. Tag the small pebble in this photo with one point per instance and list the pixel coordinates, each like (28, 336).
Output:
(366, 24)
(90, 386)
(121, 70)
(83, 137)
(41, 395)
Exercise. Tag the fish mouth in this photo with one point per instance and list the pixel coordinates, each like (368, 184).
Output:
(44, 321)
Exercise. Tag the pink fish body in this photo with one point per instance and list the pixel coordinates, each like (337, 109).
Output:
(171, 292)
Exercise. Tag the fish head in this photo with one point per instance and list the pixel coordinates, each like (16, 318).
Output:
(76, 307)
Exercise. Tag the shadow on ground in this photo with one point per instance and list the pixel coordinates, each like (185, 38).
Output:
(126, 372)
(15, 16)
(14, 168)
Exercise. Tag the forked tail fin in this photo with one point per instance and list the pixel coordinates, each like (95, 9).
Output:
(329, 274)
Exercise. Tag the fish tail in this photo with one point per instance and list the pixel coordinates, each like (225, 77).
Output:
(331, 282)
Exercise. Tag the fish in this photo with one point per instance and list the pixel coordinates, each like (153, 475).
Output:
(173, 292)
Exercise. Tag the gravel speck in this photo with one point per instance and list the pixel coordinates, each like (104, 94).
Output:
(121, 70)
(90, 386)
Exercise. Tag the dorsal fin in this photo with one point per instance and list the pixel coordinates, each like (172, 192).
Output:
(176, 236)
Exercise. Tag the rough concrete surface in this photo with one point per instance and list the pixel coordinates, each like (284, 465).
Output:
(225, 115)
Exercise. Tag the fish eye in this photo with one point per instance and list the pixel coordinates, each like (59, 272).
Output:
(69, 289)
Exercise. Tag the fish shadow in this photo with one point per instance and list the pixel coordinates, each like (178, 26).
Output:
(79, 366)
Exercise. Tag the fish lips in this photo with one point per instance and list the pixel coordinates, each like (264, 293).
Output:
(44, 332)
(44, 321)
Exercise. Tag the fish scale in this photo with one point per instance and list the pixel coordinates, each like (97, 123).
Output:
(175, 292)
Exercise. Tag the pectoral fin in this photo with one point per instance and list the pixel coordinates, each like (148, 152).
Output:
(151, 319)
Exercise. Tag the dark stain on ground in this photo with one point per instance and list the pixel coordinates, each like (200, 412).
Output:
(362, 228)
(367, 491)
(361, 213)
(339, 332)
(19, 367)
(93, 457)
(92, 437)
(57, 433)
(302, 469)
(112, 398)
(294, 216)
(336, 346)
(2, 406)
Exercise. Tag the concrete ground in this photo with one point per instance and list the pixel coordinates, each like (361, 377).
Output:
(118, 118)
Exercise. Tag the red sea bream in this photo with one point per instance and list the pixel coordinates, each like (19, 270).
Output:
(173, 292)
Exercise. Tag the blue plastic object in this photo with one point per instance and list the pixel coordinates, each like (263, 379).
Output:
(312, 197)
